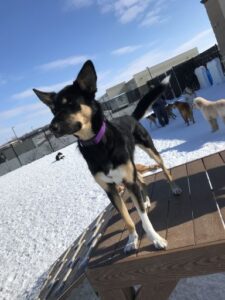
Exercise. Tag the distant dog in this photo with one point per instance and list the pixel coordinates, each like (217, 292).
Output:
(108, 146)
(169, 110)
(211, 110)
(59, 156)
(185, 110)
(152, 119)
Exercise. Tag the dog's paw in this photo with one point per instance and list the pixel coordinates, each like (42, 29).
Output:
(132, 243)
(176, 190)
(160, 243)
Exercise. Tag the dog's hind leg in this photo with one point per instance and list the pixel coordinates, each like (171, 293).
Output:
(214, 124)
(144, 141)
(192, 116)
(176, 190)
(119, 204)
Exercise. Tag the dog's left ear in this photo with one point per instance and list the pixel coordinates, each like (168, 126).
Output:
(87, 78)
(46, 98)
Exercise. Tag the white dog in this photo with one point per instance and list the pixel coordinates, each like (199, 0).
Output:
(211, 110)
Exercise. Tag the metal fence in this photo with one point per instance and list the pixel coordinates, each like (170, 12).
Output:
(26, 150)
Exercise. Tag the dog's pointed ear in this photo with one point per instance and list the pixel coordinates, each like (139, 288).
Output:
(87, 78)
(46, 97)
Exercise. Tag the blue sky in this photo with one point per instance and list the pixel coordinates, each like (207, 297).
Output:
(44, 43)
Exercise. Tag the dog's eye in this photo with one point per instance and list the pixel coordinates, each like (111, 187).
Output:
(64, 101)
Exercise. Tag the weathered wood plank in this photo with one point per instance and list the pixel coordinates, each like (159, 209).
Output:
(222, 154)
(117, 294)
(216, 170)
(207, 223)
(104, 251)
(180, 224)
(161, 267)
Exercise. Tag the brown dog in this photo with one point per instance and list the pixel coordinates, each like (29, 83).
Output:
(185, 110)
(152, 119)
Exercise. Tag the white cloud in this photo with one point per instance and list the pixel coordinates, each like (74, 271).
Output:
(148, 12)
(125, 50)
(154, 17)
(203, 40)
(155, 14)
(125, 10)
(63, 63)
(19, 110)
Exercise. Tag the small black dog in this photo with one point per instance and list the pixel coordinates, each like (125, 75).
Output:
(108, 147)
(59, 156)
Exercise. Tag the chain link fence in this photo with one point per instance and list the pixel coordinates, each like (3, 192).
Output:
(30, 148)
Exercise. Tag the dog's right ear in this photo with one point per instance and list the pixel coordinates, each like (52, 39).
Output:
(87, 78)
(46, 98)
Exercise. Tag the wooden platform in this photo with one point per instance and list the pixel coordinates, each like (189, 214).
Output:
(193, 224)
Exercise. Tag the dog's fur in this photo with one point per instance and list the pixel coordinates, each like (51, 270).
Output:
(185, 111)
(111, 161)
(211, 110)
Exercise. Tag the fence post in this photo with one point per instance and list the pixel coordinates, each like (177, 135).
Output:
(48, 140)
(17, 156)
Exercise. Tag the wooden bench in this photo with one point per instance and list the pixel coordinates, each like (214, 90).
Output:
(193, 224)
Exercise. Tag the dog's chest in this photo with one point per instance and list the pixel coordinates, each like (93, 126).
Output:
(113, 176)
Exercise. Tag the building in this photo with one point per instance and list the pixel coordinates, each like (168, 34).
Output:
(151, 72)
(216, 12)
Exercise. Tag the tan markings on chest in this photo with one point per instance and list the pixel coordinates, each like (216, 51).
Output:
(117, 175)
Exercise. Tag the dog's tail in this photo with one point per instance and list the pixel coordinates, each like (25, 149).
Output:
(150, 98)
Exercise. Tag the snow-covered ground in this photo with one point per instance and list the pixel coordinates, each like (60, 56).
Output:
(45, 205)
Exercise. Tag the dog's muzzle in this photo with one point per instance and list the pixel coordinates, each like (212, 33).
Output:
(60, 129)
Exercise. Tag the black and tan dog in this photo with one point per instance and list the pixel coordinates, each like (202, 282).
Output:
(108, 147)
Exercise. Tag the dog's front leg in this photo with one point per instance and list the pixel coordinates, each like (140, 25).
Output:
(136, 194)
(119, 204)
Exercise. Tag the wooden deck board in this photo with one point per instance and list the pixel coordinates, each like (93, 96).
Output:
(207, 223)
(162, 266)
(216, 170)
(104, 251)
(180, 213)
(222, 154)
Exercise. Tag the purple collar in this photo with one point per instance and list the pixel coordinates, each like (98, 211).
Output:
(96, 139)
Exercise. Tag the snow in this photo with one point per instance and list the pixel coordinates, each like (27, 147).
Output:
(45, 205)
